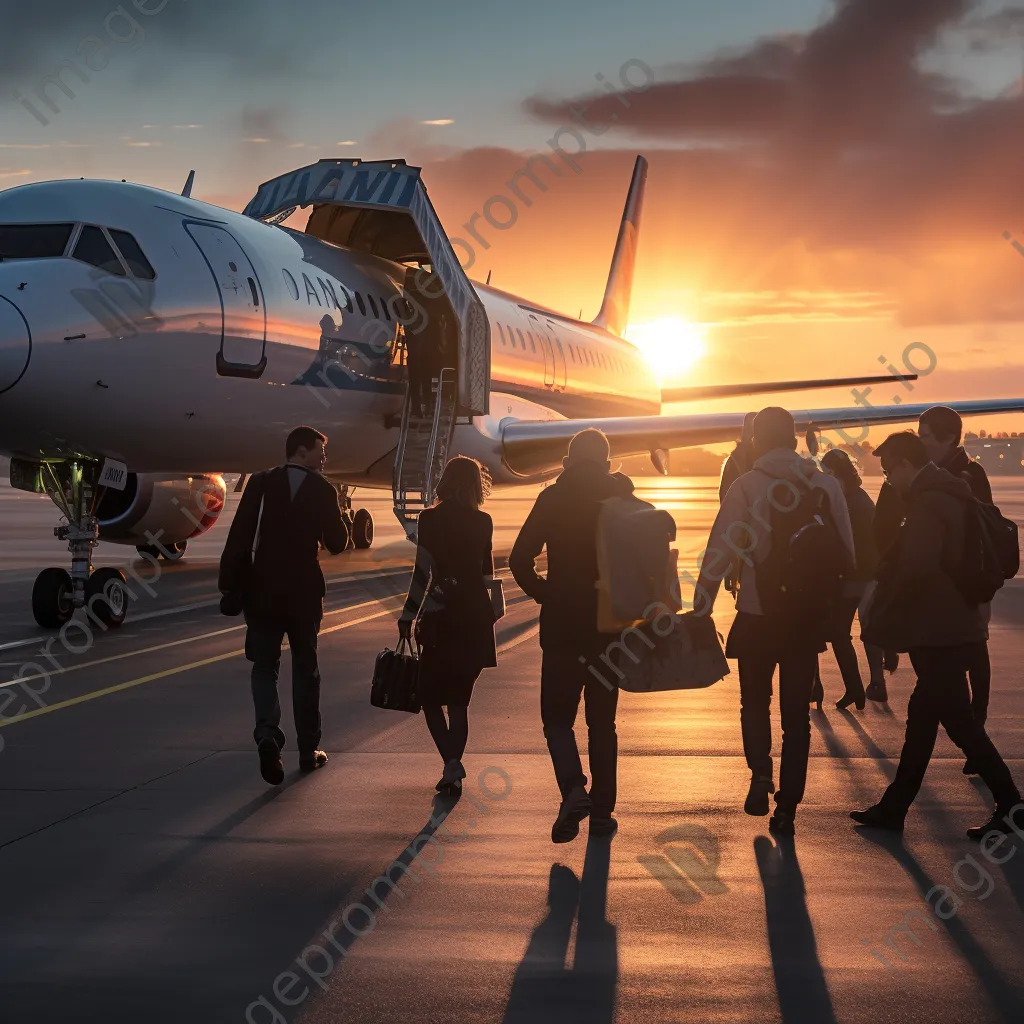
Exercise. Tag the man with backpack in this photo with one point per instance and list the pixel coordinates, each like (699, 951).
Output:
(940, 429)
(564, 520)
(951, 554)
(788, 524)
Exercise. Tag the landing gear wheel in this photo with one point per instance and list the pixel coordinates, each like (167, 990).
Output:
(363, 529)
(107, 596)
(174, 552)
(52, 603)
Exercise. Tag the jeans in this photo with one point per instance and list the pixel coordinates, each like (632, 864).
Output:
(796, 681)
(563, 681)
(263, 641)
(941, 696)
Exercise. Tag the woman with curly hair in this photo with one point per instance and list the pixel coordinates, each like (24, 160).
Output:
(450, 595)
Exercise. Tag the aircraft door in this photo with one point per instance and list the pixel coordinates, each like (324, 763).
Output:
(558, 352)
(242, 351)
(546, 349)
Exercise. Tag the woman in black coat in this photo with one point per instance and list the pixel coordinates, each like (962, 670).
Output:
(450, 594)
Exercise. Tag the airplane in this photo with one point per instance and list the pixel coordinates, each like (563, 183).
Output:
(150, 343)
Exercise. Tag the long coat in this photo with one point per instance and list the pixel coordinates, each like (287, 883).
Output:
(283, 579)
(453, 558)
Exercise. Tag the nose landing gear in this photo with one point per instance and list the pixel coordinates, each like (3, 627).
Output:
(359, 521)
(72, 486)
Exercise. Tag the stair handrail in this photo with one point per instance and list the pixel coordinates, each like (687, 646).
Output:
(428, 483)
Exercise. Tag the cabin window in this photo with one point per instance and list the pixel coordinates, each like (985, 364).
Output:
(533, 343)
(501, 334)
(133, 255)
(384, 308)
(522, 340)
(34, 241)
(373, 306)
(360, 304)
(348, 297)
(94, 249)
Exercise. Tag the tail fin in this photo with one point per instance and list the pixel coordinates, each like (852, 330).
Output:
(614, 313)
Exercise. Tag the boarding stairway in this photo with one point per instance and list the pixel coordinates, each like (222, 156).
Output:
(422, 452)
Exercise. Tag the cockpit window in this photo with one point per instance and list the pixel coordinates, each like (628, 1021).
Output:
(133, 255)
(94, 249)
(34, 241)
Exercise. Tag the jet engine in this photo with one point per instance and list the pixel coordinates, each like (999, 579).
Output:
(161, 510)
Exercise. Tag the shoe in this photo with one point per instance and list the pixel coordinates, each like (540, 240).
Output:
(877, 692)
(782, 823)
(891, 662)
(575, 807)
(875, 817)
(310, 762)
(271, 765)
(603, 826)
(858, 698)
(1001, 822)
(757, 797)
(970, 769)
(449, 788)
(817, 694)
(453, 771)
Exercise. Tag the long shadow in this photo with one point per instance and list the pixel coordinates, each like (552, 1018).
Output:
(838, 750)
(1004, 995)
(799, 977)
(544, 990)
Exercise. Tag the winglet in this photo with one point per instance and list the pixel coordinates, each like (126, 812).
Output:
(614, 313)
(187, 190)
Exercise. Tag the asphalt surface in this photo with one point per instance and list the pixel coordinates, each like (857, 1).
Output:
(149, 874)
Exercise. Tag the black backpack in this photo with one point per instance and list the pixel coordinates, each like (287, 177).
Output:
(991, 553)
(801, 579)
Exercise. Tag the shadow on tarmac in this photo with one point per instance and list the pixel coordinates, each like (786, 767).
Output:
(799, 978)
(544, 990)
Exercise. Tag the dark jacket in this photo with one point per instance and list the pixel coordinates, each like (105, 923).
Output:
(917, 604)
(453, 557)
(890, 510)
(564, 519)
(862, 517)
(740, 461)
(283, 579)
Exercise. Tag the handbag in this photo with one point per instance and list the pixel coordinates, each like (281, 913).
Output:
(497, 598)
(396, 678)
(648, 661)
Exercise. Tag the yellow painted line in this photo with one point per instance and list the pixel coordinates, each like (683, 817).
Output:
(169, 672)
(158, 647)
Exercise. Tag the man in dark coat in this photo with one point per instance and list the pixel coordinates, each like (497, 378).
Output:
(919, 608)
(270, 562)
(564, 519)
(940, 429)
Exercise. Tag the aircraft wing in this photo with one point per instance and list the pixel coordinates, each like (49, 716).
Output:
(532, 447)
(697, 394)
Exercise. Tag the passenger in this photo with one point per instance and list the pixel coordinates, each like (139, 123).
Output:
(418, 363)
(940, 430)
(564, 520)
(919, 609)
(889, 514)
(751, 520)
(859, 588)
(449, 593)
(741, 458)
(269, 567)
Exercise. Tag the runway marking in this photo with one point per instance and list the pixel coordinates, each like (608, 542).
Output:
(165, 646)
(93, 695)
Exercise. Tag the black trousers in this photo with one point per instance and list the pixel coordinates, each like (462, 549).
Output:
(796, 681)
(563, 681)
(263, 641)
(941, 696)
(980, 671)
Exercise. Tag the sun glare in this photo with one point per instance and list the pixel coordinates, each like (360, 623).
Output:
(671, 346)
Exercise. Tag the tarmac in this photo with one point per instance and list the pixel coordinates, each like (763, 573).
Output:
(149, 874)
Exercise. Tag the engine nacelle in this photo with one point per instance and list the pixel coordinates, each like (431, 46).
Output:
(170, 509)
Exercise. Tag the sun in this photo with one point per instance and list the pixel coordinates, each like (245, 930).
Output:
(671, 346)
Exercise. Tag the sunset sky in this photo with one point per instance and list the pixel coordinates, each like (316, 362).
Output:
(829, 182)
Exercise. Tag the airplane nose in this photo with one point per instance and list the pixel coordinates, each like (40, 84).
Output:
(15, 344)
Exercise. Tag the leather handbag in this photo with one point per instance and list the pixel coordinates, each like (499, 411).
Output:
(687, 656)
(395, 682)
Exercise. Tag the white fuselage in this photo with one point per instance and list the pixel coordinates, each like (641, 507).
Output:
(100, 365)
